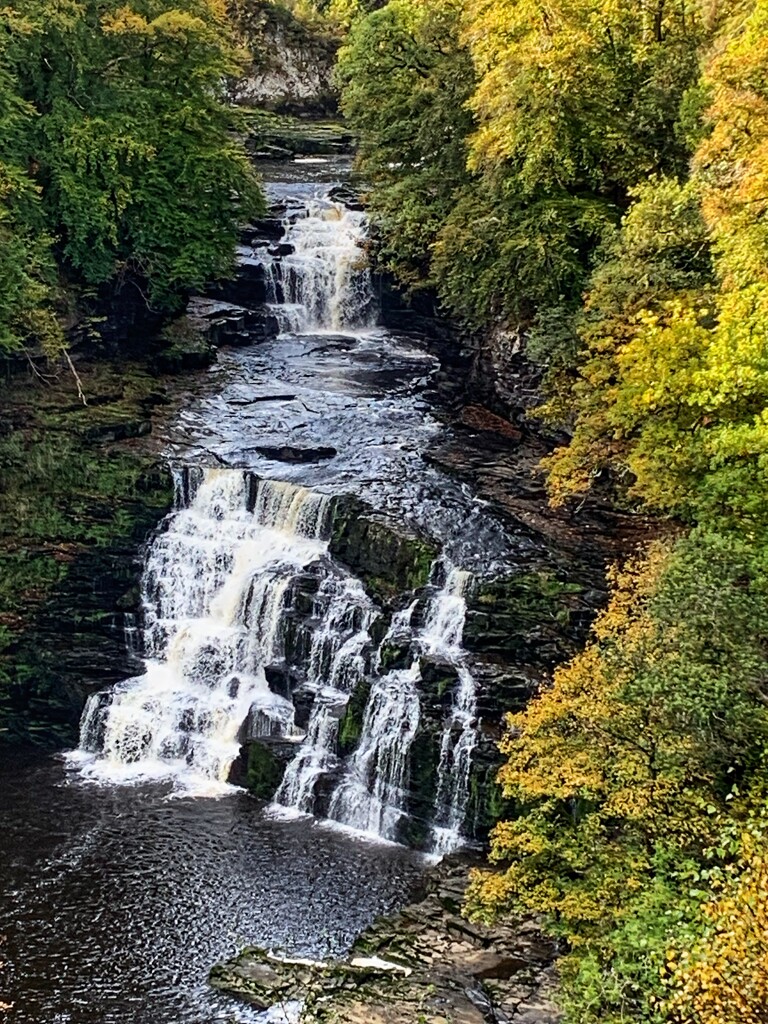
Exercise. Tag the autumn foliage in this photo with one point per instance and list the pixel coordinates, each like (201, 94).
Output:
(723, 978)
(603, 189)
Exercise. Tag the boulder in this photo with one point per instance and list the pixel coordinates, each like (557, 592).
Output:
(388, 557)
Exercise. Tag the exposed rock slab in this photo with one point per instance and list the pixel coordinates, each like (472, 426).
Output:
(425, 964)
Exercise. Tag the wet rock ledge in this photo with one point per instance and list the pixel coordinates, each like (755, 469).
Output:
(425, 965)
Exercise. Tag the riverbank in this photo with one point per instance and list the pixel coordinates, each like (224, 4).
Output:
(77, 502)
(426, 963)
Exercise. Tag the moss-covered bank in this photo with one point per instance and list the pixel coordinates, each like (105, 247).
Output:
(77, 501)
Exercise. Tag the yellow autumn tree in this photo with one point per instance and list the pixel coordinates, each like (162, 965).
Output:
(581, 91)
(622, 772)
(723, 979)
(584, 757)
(672, 398)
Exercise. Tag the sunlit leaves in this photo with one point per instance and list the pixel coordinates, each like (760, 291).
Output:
(405, 82)
(723, 978)
(625, 771)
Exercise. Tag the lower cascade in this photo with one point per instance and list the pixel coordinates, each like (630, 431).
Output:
(253, 635)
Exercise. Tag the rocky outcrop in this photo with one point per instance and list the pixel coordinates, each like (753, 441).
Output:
(292, 61)
(280, 137)
(426, 964)
(390, 558)
(76, 506)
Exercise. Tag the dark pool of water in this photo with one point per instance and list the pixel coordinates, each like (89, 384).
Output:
(116, 901)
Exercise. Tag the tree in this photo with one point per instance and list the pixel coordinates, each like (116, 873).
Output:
(405, 82)
(625, 770)
(655, 271)
(27, 273)
(723, 977)
(130, 149)
(673, 390)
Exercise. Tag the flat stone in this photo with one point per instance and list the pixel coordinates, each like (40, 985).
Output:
(289, 453)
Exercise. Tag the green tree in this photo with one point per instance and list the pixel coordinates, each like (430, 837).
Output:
(27, 273)
(673, 390)
(626, 770)
(131, 149)
(405, 82)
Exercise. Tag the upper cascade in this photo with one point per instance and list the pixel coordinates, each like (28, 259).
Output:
(252, 632)
(320, 281)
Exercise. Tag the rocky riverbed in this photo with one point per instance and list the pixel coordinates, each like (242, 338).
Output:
(426, 964)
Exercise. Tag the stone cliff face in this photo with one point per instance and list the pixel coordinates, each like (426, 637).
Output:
(291, 65)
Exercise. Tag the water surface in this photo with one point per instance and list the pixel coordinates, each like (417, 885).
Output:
(117, 900)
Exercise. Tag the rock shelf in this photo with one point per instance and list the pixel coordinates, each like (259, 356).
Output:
(425, 965)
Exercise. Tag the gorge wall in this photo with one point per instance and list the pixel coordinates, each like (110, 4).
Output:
(291, 61)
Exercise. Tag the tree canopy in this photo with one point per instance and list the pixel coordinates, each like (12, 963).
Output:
(604, 193)
(118, 154)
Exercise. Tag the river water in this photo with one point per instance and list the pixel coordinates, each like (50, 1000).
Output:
(117, 900)
(124, 882)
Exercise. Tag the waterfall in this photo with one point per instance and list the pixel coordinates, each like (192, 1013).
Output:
(442, 635)
(214, 592)
(373, 792)
(322, 282)
(239, 586)
(371, 797)
(336, 666)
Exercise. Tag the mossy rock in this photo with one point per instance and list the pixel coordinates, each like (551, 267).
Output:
(296, 136)
(394, 656)
(389, 558)
(264, 773)
(351, 726)
(487, 804)
(437, 685)
(423, 762)
(186, 347)
(511, 615)
(74, 515)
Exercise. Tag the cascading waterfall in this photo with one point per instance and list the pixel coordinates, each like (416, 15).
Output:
(218, 615)
(215, 585)
(442, 635)
(322, 284)
(336, 666)
(372, 796)
(217, 595)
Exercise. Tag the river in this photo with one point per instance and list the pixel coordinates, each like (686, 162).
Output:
(117, 900)
(131, 866)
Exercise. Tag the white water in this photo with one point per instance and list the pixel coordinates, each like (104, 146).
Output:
(215, 584)
(217, 593)
(324, 284)
(372, 796)
(443, 633)
(336, 666)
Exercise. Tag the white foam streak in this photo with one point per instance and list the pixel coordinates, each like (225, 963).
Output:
(372, 796)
